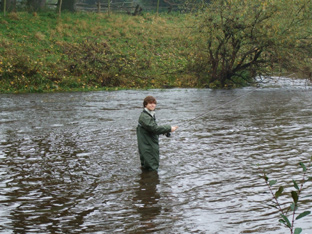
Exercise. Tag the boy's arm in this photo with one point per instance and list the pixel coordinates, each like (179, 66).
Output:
(148, 123)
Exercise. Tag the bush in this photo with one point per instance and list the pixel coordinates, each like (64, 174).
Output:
(236, 41)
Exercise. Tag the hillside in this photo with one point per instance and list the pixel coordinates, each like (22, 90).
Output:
(90, 51)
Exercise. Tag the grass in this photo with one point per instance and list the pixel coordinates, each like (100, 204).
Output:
(91, 51)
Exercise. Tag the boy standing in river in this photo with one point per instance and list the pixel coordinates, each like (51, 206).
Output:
(148, 135)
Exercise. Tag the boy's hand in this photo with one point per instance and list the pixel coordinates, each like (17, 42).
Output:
(173, 128)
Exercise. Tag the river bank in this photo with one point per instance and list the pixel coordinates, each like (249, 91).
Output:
(90, 51)
(44, 52)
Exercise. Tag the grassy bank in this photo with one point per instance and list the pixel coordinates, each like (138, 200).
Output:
(90, 51)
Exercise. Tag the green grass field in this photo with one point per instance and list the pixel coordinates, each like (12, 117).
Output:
(90, 51)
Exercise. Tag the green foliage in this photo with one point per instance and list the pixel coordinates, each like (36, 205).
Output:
(279, 191)
(303, 214)
(285, 221)
(295, 185)
(86, 51)
(232, 43)
(294, 204)
(298, 230)
(237, 41)
(303, 167)
(272, 182)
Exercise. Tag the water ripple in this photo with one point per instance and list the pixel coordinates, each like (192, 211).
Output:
(69, 161)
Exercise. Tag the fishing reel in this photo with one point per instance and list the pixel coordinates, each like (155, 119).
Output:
(168, 134)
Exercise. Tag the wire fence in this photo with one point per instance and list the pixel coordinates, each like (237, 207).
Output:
(133, 7)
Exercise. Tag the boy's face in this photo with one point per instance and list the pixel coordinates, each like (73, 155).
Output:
(151, 106)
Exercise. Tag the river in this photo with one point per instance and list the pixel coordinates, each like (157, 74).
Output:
(69, 161)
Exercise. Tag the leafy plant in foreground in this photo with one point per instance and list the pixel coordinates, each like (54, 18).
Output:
(284, 212)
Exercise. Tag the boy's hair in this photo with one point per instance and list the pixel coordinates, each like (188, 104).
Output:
(149, 99)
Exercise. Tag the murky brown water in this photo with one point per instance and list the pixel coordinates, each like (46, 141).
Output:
(69, 161)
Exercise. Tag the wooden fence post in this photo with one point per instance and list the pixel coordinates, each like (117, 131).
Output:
(157, 8)
(99, 6)
(60, 7)
(4, 7)
(108, 9)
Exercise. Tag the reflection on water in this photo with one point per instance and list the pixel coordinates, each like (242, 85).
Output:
(43, 184)
(69, 161)
(146, 200)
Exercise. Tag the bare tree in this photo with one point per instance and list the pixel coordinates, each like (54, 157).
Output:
(240, 40)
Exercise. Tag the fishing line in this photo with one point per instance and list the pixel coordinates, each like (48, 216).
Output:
(183, 123)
